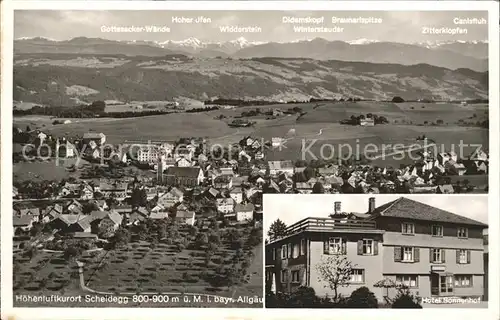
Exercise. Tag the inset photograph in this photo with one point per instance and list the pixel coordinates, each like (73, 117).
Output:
(385, 251)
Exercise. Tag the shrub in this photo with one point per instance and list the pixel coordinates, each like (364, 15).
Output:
(406, 300)
(362, 298)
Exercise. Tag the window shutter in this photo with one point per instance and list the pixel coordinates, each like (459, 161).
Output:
(344, 246)
(397, 254)
(360, 247)
(416, 253)
(431, 257)
(302, 278)
(375, 247)
(443, 255)
(468, 256)
(325, 247)
(458, 256)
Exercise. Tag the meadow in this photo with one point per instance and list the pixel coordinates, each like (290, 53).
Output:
(320, 122)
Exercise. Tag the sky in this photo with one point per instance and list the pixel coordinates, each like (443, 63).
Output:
(292, 208)
(396, 26)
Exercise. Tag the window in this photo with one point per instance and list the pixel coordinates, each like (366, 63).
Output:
(437, 231)
(368, 246)
(408, 280)
(463, 232)
(336, 246)
(302, 247)
(408, 254)
(463, 256)
(437, 255)
(408, 228)
(295, 276)
(268, 276)
(296, 248)
(289, 250)
(283, 251)
(463, 281)
(274, 253)
(284, 276)
(358, 276)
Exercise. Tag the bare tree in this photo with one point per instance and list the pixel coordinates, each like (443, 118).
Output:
(335, 271)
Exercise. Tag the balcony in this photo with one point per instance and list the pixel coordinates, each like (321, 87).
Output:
(329, 225)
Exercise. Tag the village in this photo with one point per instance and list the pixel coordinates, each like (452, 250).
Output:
(151, 190)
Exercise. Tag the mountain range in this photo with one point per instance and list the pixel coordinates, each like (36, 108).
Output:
(66, 79)
(448, 54)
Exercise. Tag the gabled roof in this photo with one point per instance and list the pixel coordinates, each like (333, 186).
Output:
(93, 135)
(184, 214)
(23, 220)
(190, 172)
(115, 217)
(411, 209)
(244, 207)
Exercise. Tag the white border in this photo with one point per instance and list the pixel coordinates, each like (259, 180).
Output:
(148, 313)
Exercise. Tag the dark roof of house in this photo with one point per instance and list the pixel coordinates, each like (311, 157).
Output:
(191, 172)
(411, 209)
(244, 207)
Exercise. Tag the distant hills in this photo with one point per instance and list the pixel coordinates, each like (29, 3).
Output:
(68, 79)
(451, 55)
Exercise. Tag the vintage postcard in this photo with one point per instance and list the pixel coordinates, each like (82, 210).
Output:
(161, 159)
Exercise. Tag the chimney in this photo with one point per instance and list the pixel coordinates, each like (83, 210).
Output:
(337, 208)
(371, 205)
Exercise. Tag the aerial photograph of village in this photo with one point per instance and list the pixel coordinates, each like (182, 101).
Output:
(143, 141)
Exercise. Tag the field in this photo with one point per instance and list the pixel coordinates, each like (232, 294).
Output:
(320, 123)
(140, 269)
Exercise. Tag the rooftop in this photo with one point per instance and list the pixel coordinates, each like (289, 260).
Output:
(411, 209)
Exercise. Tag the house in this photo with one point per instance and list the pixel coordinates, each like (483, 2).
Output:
(236, 194)
(171, 198)
(367, 122)
(183, 152)
(304, 187)
(117, 190)
(98, 139)
(158, 215)
(184, 176)
(244, 212)
(277, 142)
(87, 192)
(24, 223)
(70, 190)
(223, 182)
(65, 149)
(212, 193)
(74, 207)
(276, 167)
(225, 205)
(445, 189)
(328, 171)
(186, 217)
(259, 155)
(26, 210)
(111, 220)
(433, 252)
(183, 162)
(51, 212)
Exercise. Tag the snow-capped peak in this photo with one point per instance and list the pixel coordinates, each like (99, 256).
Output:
(432, 44)
(361, 41)
(37, 38)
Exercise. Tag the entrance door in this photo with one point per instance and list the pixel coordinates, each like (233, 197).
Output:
(446, 285)
(434, 284)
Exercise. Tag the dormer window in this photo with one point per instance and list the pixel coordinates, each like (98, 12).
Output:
(463, 232)
(407, 228)
(437, 231)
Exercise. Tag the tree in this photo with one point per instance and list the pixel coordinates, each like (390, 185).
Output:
(277, 229)
(362, 298)
(318, 188)
(121, 237)
(201, 239)
(336, 272)
(397, 99)
(139, 198)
